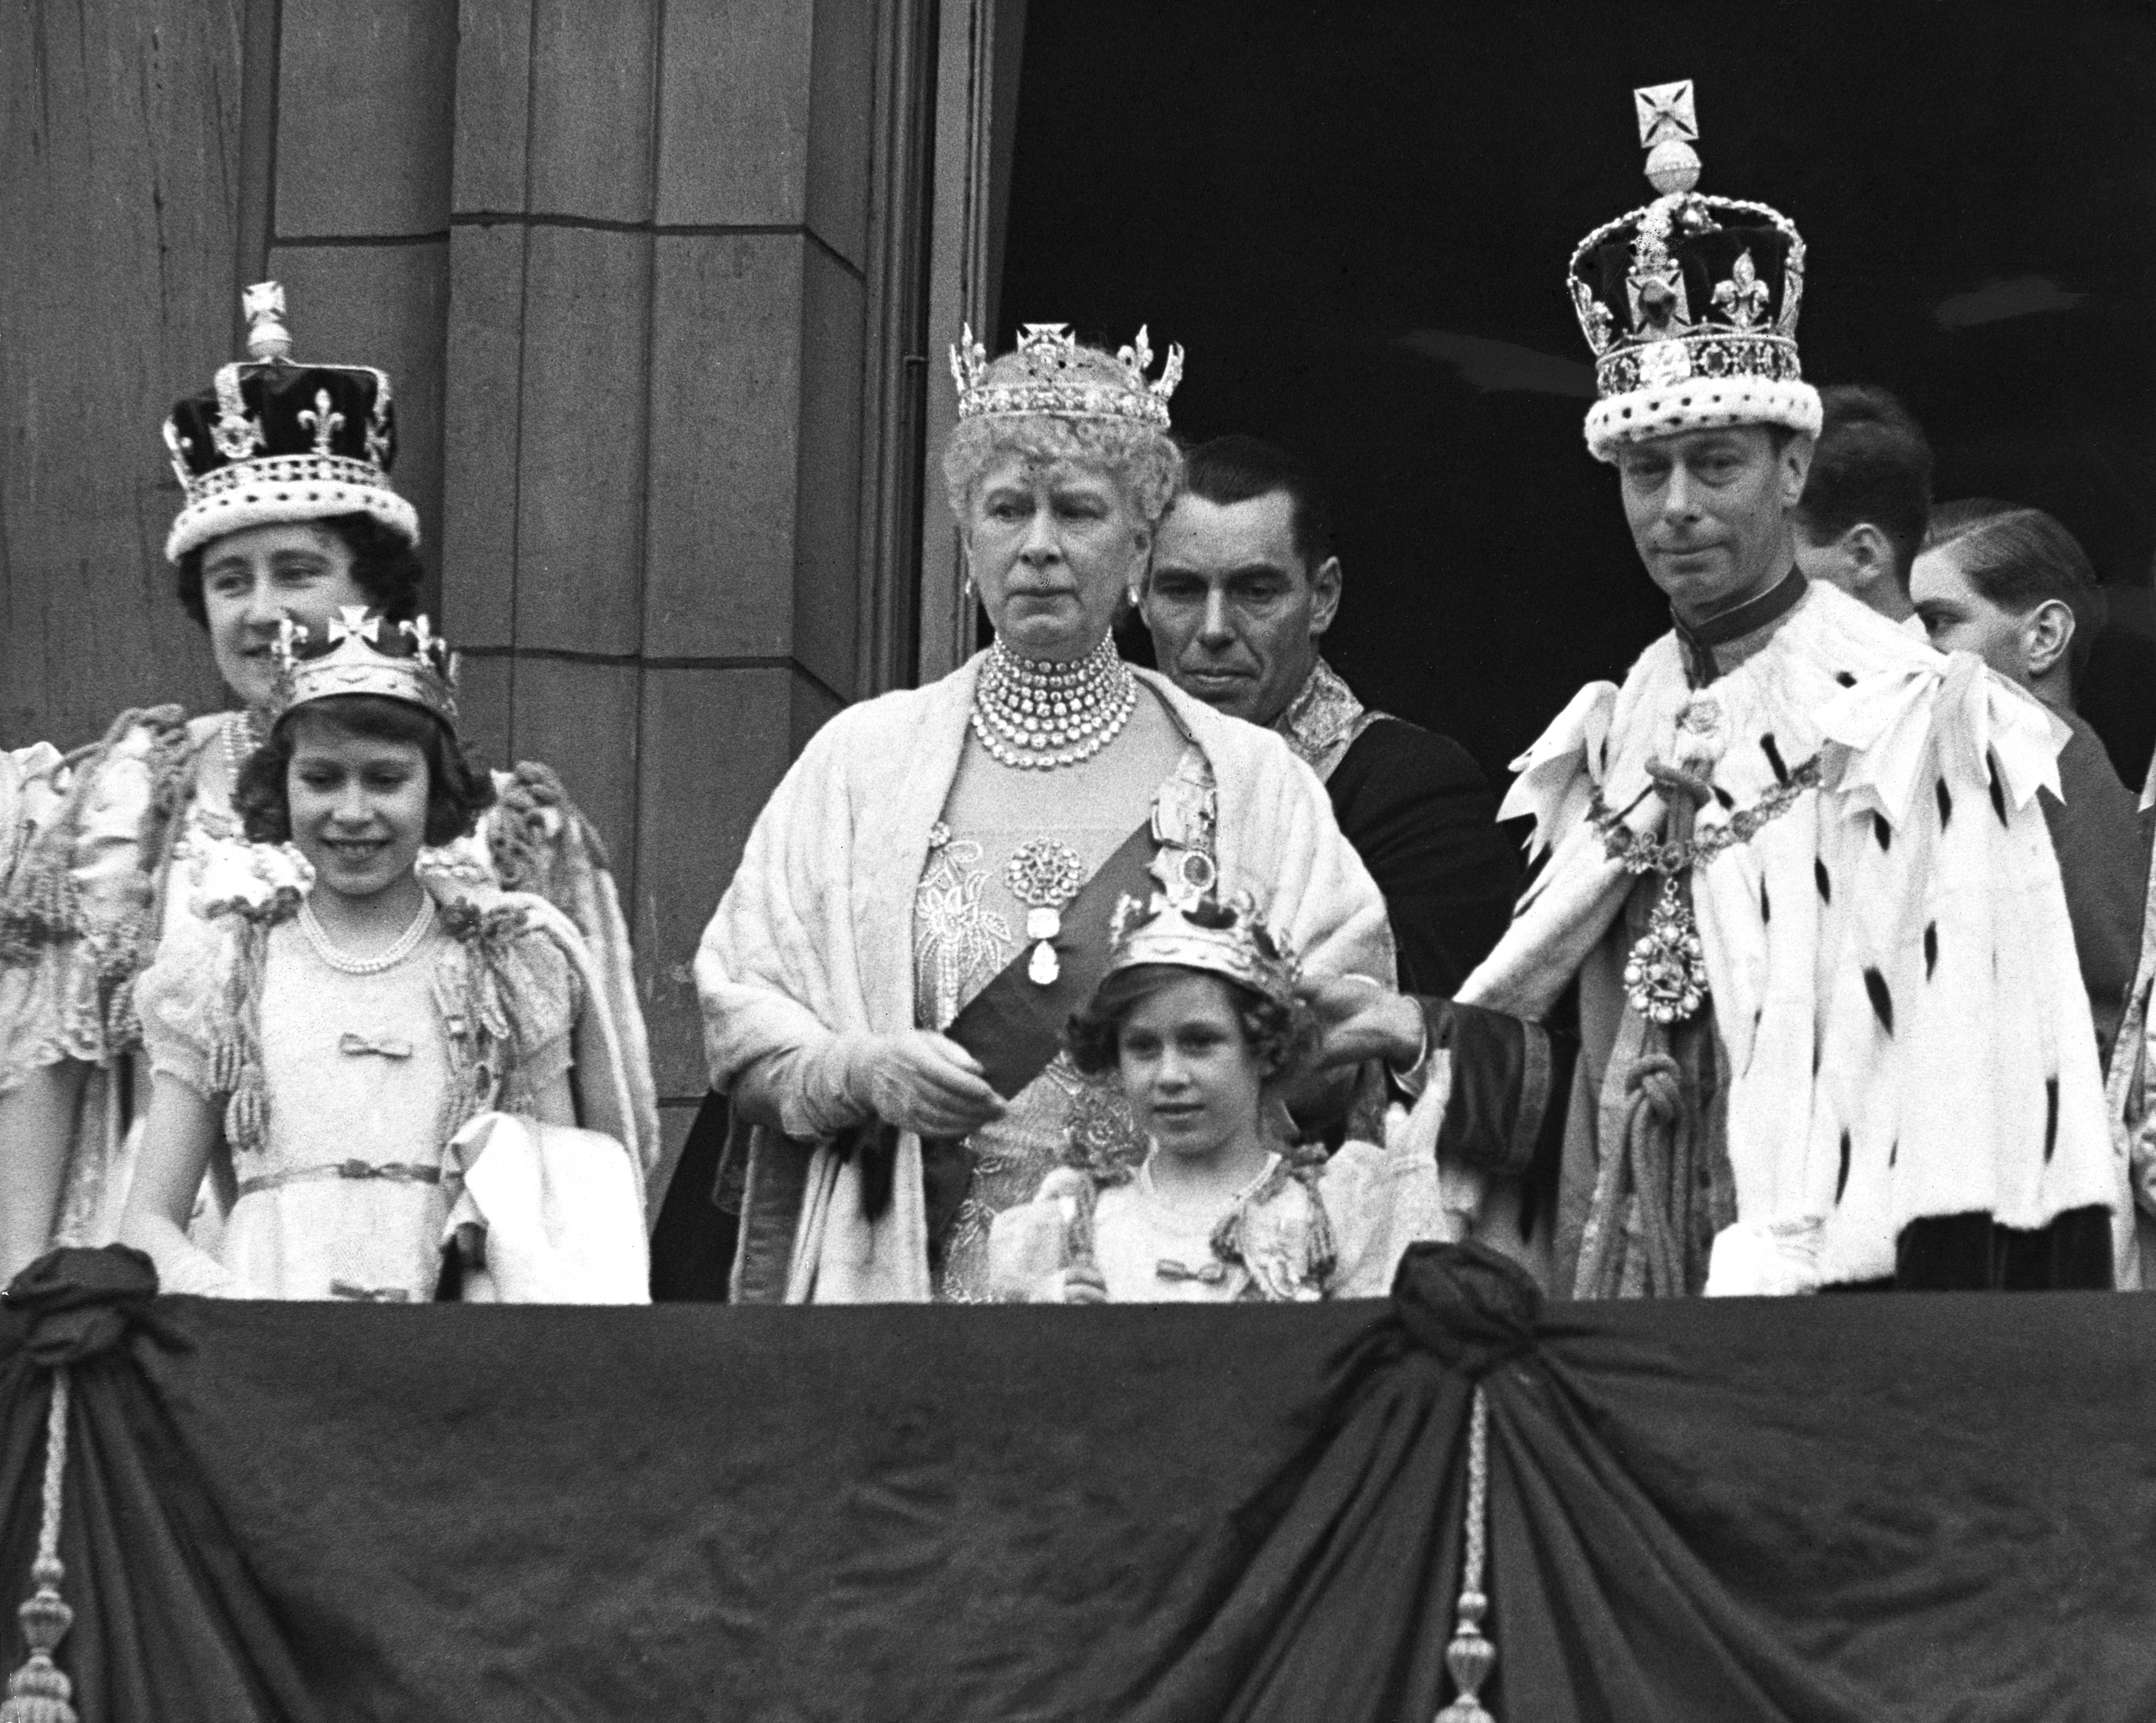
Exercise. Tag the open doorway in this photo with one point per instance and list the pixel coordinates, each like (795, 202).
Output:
(1355, 217)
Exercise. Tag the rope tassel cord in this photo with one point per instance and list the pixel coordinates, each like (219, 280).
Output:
(38, 1692)
(1471, 1656)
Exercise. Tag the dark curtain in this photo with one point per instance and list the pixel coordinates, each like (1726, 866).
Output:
(1887, 1507)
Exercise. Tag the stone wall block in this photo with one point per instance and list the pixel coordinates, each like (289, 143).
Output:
(827, 575)
(716, 743)
(591, 108)
(111, 307)
(384, 305)
(581, 720)
(481, 414)
(725, 379)
(842, 112)
(580, 508)
(484, 720)
(365, 96)
(494, 107)
(734, 133)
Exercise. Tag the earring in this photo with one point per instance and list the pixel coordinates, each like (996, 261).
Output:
(1134, 592)
(966, 584)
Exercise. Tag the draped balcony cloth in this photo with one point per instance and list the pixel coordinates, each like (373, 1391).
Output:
(1927, 1507)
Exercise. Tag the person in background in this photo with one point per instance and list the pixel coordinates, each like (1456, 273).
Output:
(2011, 585)
(1869, 493)
(1244, 584)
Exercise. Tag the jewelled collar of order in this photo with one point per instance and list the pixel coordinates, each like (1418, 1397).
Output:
(1643, 853)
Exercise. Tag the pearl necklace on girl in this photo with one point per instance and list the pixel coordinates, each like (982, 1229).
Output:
(388, 958)
(1038, 715)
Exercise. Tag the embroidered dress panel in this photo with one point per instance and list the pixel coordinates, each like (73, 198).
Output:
(966, 914)
(347, 1200)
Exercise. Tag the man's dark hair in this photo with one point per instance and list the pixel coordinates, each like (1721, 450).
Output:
(2020, 558)
(386, 567)
(1872, 464)
(1233, 469)
(458, 792)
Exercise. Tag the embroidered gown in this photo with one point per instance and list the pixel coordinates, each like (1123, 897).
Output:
(969, 922)
(1306, 1228)
(348, 1195)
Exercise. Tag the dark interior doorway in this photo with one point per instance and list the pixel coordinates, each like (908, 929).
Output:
(1355, 217)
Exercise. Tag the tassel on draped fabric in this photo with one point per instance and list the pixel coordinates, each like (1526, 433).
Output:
(39, 1692)
(1471, 1655)
(1633, 1244)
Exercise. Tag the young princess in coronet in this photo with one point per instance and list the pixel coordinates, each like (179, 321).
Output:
(1198, 1015)
(323, 1026)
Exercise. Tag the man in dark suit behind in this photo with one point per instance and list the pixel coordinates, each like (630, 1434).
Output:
(1244, 585)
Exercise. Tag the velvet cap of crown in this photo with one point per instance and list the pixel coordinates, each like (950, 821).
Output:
(362, 653)
(1690, 303)
(273, 441)
(1059, 378)
(1224, 936)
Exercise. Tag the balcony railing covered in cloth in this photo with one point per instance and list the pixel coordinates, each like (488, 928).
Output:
(1838, 1508)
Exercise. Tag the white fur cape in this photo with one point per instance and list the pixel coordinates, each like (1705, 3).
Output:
(1898, 1009)
(815, 935)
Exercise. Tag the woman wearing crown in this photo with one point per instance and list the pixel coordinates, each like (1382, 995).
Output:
(289, 512)
(1199, 1022)
(926, 898)
(320, 1030)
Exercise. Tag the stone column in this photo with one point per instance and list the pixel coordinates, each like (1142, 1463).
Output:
(668, 303)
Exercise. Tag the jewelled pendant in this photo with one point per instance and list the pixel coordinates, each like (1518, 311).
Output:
(1042, 968)
(1666, 973)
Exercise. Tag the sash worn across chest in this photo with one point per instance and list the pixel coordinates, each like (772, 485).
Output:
(1013, 1025)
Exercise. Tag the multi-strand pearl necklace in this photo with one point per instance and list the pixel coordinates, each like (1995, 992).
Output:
(388, 958)
(1041, 715)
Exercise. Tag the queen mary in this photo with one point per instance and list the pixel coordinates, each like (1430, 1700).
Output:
(927, 895)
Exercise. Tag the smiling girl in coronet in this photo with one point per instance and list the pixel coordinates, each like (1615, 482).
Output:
(289, 515)
(329, 1018)
(1198, 1019)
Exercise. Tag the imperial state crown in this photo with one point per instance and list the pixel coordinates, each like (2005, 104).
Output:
(274, 441)
(1690, 303)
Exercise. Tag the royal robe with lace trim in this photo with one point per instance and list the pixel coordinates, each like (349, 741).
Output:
(1898, 1016)
(814, 937)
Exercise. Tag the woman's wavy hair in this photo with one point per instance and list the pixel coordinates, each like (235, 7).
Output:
(385, 567)
(1145, 462)
(1283, 1036)
(458, 790)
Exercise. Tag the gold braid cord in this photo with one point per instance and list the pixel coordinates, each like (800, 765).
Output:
(1471, 1657)
(38, 1692)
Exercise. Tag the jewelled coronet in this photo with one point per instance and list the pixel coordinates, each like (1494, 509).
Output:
(1056, 384)
(1039, 716)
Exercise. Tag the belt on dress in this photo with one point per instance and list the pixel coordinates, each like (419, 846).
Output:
(395, 1172)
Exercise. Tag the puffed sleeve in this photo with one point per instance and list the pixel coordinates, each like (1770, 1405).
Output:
(183, 1000)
